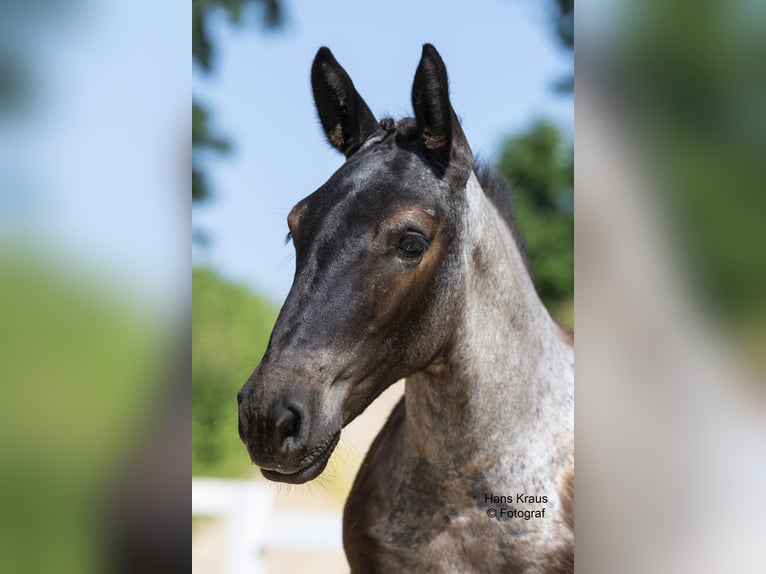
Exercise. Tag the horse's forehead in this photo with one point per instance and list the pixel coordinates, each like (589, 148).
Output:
(377, 182)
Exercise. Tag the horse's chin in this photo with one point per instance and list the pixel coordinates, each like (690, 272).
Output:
(313, 469)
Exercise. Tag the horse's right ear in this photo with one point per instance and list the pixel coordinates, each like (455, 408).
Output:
(345, 117)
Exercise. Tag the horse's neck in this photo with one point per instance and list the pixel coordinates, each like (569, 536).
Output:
(502, 393)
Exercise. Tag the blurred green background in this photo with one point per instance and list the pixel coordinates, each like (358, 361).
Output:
(80, 362)
(230, 330)
(691, 75)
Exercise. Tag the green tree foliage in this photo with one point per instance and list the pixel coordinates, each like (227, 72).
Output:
(230, 331)
(562, 16)
(539, 164)
(238, 12)
(698, 88)
(203, 141)
(564, 24)
(269, 12)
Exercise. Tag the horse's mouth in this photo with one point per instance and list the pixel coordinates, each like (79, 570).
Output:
(313, 465)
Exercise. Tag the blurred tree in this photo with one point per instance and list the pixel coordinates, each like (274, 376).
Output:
(564, 25)
(564, 18)
(14, 88)
(539, 164)
(22, 25)
(270, 14)
(202, 141)
(697, 87)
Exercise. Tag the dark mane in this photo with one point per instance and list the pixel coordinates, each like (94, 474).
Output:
(499, 193)
(492, 183)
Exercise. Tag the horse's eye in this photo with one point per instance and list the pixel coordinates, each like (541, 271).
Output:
(411, 245)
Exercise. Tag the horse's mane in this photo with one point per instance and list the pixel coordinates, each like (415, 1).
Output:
(492, 183)
(498, 192)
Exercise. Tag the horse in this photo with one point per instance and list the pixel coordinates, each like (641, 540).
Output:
(408, 266)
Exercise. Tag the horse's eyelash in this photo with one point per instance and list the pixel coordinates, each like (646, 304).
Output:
(288, 237)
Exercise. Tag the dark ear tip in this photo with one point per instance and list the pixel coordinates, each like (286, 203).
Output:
(431, 53)
(431, 62)
(323, 55)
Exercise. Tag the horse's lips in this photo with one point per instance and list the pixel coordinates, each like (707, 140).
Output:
(309, 472)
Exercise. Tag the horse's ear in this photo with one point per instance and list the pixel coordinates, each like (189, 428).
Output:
(441, 135)
(345, 117)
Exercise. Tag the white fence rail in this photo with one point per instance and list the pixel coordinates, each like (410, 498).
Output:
(253, 524)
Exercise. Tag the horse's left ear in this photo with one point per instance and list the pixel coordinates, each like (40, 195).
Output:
(345, 117)
(441, 135)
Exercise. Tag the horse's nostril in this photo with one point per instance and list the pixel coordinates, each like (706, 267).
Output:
(288, 427)
(295, 425)
(240, 397)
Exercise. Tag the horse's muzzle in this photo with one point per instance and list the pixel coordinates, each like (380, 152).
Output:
(278, 438)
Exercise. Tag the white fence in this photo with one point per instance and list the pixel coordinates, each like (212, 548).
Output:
(253, 524)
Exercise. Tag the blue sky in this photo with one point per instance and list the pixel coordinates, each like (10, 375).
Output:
(501, 57)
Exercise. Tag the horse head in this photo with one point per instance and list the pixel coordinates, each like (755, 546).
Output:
(378, 266)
